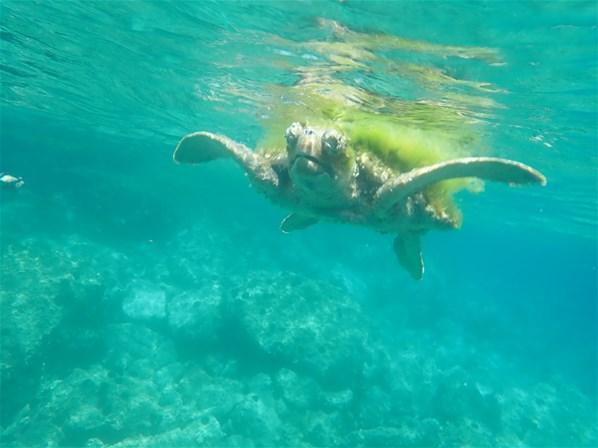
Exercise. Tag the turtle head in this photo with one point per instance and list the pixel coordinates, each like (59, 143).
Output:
(319, 159)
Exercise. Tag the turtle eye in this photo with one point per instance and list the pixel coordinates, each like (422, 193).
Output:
(333, 142)
(292, 133)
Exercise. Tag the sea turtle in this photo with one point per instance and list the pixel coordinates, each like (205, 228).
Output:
(323, 173)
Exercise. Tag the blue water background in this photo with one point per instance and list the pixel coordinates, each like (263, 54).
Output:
(96, 94)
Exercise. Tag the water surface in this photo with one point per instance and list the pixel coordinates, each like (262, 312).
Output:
(145, 303)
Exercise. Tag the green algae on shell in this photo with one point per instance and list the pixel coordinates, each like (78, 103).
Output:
(415, 135)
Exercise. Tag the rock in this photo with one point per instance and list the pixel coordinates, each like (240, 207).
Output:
(69, 411)
(145, 301)
(204, 432)
(48, 296)
(196, 314)
(136, 350)
(199, 255)
(94, 443)
(290, 361)
(237, 441)
(381, 436)
(459, 397)
(416, 432)
(33, 277)
(98, 403)
(216, 394)
(466, 431)
(253, 418)
(300, 393)
(324, 429)
(428, 432)
(261, 384)
(375, 407)
(310, 327)
(339, 400)
(541, 414)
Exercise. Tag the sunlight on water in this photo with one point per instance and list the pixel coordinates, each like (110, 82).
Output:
(145, 303)
(165, 67)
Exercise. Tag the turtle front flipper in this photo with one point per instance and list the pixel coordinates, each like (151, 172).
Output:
(486, 168)
(200, 147)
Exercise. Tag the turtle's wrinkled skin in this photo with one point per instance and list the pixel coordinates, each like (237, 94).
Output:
(321, 171)
(327, 179)
(320, 175)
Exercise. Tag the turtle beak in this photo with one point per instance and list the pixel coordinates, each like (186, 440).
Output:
(305, 150)
(307, 166)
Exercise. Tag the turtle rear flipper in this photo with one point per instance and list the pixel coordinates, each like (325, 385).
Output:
(486, 168)
(201, 147)
(297, 221)
(407, 247)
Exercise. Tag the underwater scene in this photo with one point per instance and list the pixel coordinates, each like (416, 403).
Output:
(298, 223)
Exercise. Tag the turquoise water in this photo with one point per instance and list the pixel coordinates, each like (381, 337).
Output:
(145, 303)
